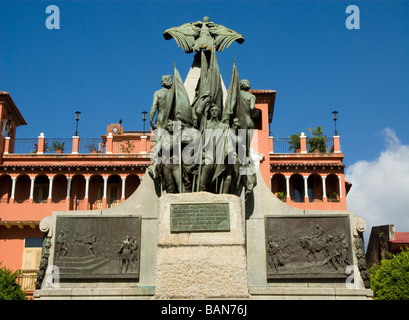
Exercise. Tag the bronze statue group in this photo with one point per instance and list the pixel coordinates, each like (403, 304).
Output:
(203, 145)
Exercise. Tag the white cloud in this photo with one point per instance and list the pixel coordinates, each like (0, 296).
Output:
(380, 188)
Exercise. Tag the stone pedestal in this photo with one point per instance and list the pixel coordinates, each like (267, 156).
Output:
(143, 204)
(199, 264)
(262, 234)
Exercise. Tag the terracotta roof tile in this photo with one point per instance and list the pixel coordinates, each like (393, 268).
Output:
(310, 164)
(255, 91)
(401, 237)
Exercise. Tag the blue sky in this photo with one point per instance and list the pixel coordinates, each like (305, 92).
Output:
(107, 58)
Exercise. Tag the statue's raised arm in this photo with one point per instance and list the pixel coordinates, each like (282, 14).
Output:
(202, 35)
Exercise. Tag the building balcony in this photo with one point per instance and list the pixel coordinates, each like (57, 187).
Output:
(287, 146)
(27, 279)
(131, 143)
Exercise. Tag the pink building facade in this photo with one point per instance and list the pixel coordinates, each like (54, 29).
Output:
(36, 178)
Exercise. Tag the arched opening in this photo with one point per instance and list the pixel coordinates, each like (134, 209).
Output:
(96, 191)
(332, 188)
(114, 187)
(5, 188)
(297, 188)
(314, 184)
(77, 194)
(59, 193)
(41, 188)
(131, 184)
(22, 192)
(278, 186)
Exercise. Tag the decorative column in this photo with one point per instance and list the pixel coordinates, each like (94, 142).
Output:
(6, 145)
(50, 189)
(32, 189)
(340, 186)
(41, 144)
(110, 144)
(104, 196)
(123, 189)
(13, 188)
(144, 144)
(303, 143)
(324, 189)
(86, 201)
(75, 144)
(287, 187)
(68, 200)
(306, 198)
(336, 146)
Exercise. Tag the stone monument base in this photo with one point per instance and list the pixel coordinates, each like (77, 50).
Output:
(201, 247)
(280, 264)
(300, 292)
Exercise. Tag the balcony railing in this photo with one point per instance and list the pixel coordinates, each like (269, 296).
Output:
(310, 199)
(85, 146)
(30, 146)
(27, 146)
(27, 279)
(282, 145)
(128, 146)
(23, 146)
(91, 145)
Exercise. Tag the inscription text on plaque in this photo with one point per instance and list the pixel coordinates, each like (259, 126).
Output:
(191, 217)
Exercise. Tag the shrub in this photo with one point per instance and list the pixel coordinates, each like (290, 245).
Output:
(9, 288)
(390, 279)
(317, 140)
(294, 141)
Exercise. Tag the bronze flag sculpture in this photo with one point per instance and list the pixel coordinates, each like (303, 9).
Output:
(210, 144)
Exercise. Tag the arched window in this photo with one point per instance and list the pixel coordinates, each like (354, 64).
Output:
(297, 188)
(332, 186)
(22, 193)
(114, 187)
(278, 186)
(314, 183)
(59, 193)
(5, 188)
(41, 188)
(131, 184)
(77, 194)
(96, 191)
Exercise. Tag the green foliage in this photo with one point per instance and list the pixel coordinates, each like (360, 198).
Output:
(58, 145)
(281, 195)
(127, 147)
(91, 147)
(9, 288)
(294, 141)
(317, 140)
(390, 279)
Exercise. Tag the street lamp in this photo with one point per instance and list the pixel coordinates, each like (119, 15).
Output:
(144, 113)
(335, 117)
(77, 118)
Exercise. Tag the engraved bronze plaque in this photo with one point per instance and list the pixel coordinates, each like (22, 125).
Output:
(196, 217)
(305, 247)
(98, 247)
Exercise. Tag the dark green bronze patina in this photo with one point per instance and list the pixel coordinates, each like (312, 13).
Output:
(196, 217)
(98, 247)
